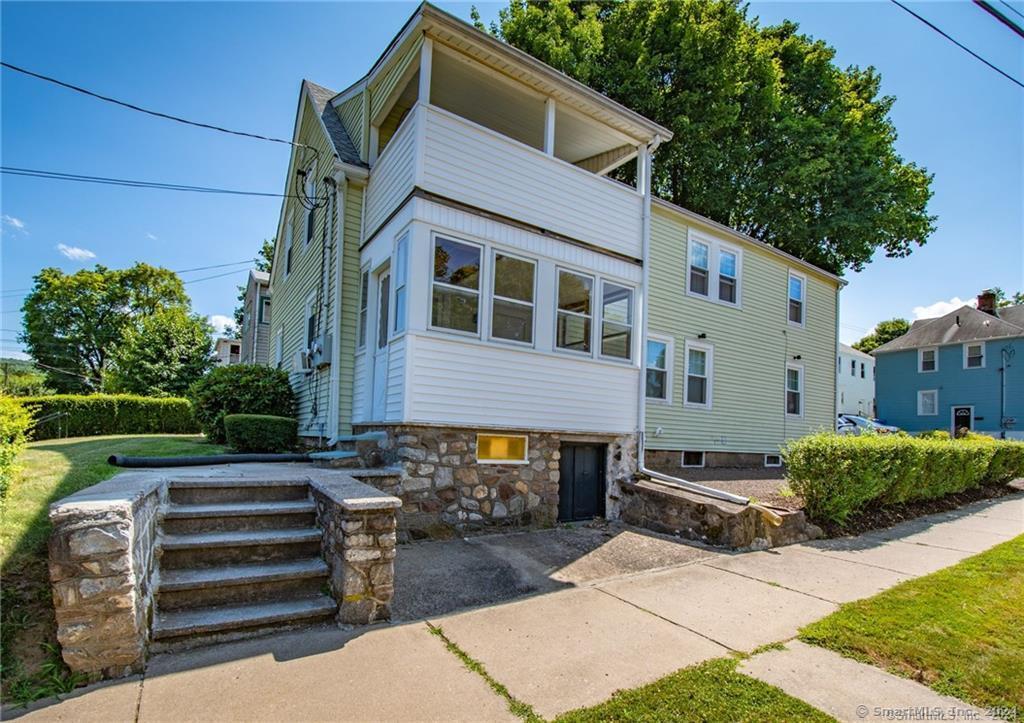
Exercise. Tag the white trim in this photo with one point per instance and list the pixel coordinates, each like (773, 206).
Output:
(549, 126)
(715, 247)
(777, 456)
(670, 357)
(800, 391)
(682, 458)
(599, 334)
(738, 253)
(434, 236)
(400, 281)
(984, 354)
(494, 253)
(920, 406)
(526, 449)
(803, 299)
(920, 359)
(363, 312)
(426, 68)
(594, 289)
(709, 376)
(952, 417)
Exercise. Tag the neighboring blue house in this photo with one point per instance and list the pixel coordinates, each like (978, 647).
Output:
(958, 370)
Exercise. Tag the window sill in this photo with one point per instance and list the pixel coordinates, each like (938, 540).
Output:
(703, 407)
(718, 302)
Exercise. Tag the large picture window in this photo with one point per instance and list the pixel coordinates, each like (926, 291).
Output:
(616, 321)
(512, 303)
(455, 297)
(575, 311)
(698, 376)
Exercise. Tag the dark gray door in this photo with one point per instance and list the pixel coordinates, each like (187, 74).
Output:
(581, 484)
(963, 418)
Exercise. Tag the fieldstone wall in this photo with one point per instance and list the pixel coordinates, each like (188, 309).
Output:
(101, 565)
(444, 487)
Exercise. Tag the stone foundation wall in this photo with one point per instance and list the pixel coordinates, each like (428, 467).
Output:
(443, 486)
(101, 567)
(671, 461)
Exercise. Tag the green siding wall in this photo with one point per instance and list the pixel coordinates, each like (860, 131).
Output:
(751, 345)
(388, 81)
(351, 114)
(349, 303)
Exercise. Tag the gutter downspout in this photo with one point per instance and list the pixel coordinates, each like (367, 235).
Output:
(334, 395)
(769, 516)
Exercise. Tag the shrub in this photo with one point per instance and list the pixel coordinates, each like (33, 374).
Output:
(934, 434)
(85, 415)
(260, 432)
(14, 423)
(240, 389)
(838, 475)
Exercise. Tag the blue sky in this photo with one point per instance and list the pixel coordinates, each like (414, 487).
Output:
(239, 65)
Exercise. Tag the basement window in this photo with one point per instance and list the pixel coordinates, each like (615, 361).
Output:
(502, 448)
(693, 459)
(773, 460)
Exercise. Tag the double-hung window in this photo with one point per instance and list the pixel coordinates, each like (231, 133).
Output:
(862, 370)
(700, 267)
(364, 300)
(310, 192)
(796, 298)
(853, 367)
(287, 248)
(699, 363)
(455, 293)
(927, 360)
(728, 270)
(512, 300)
(400, 279)
(574, 317)
(974, 356)
(659, 356)
(794, 390)
(264, 313)
(616, 321)
(311, 320)
(928, 402)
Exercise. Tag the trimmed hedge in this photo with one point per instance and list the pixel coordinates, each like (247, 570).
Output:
(838, 475)
(14, 423)
(240, 389)
(87, 415)
(261, 432)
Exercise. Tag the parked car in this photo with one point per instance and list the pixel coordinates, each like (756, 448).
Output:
(853, 424)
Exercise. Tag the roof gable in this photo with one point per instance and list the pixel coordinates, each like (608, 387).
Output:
(957, 327)
(320, 97)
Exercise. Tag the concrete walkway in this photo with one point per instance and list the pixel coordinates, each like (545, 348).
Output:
(570, 644)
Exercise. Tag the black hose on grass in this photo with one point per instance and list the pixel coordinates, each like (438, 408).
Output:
(118, 460)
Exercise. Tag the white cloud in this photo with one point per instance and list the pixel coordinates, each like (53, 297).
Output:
(15, 223)
(150, 236)
(220, 323)
(941, 308)
(75, 253)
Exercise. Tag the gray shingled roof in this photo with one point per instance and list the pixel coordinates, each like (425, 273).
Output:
(343, 145)
(959, 326)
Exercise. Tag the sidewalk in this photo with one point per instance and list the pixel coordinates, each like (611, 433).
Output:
(569, 648)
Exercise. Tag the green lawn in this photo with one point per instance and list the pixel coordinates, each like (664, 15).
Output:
(959, 630)
(711, 691)
(51, 470)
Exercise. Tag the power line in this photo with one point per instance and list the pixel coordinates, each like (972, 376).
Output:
(1011, 7)
(158, 114)
(215, 266)
(215, 276)
(60, 176)
(957, 43)
(994, 12)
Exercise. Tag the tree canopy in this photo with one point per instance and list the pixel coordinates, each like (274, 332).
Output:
(885, 331)
(73, 322)
(771, 137)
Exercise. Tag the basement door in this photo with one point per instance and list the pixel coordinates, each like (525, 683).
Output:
(380, 350)
(581, 482)
(963, 418)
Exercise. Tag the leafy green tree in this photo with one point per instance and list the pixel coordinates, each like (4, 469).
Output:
(770, 136)
(73, 322)
(885, 331)
(20, 378)
(163, 355)
(1002, 300)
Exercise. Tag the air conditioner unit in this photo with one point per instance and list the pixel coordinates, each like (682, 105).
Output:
(320, 351)
(303, 362)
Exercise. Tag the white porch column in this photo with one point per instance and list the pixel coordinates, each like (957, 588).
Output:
(426, 64)
(549, 126)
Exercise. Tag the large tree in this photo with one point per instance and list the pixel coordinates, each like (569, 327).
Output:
(770, 136)
(885, 331)
(73, 322)
(162, 355)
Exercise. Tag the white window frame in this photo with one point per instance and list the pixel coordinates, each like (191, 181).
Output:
(526, 449)
(481, 277)
(775, 464)
(600, 317)
(279, 348)
(289, 240)
(803, 299)
(709, 373)
(969, 344)
(920, 359)
(682, 458)
(670, 356)
(363, 318)
(800, 391)
(262, 317)
(595, 290)
(400, 285)
(715, 248)
(493, 258)
(920, 406)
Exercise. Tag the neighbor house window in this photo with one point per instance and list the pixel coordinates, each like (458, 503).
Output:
(401, 276)
(364, 294)
(727, 274)
(512, 303)
(455, 294)
(264, 314)
(310, 191)
(693, 459)
(974, 356)
(575, 311)
(794, 390)
(699, 267)
(927, 360)
(616, 321)
(862, 370)
(928, 402)
(796, 299)
(287, 248)
(659, 357)
(503, 448)
(773, 460)
(853, 367)
(698, 375)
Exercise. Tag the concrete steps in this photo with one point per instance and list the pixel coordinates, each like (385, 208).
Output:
(238, 557)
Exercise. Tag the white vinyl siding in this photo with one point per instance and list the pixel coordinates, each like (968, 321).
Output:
(928, 403)
(392, 176)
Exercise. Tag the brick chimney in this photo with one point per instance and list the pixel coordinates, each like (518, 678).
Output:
(987, 302)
